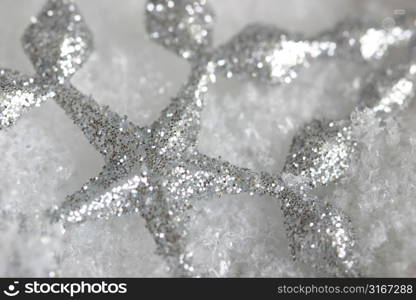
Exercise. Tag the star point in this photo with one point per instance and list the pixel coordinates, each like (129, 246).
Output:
(58, 42)
(157, 171)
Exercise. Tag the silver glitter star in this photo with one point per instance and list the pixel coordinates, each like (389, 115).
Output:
(157, 170)
(265, 52)
(322, 153)
(57, 42)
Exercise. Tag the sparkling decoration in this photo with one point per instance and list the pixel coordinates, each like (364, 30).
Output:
(392, 91)
(57, 42)
(18, 94)
(183, 26)
(158, 172)
(322, 151)
(272, 55)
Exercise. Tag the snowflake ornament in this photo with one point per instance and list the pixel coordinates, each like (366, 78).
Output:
(158, 172)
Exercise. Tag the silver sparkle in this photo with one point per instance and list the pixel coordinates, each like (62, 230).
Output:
(58, 43)
(392, 90)
(18, 93)
(321, 236)
(271, 55)
(157, 171)
(322, 152)
(183, 26)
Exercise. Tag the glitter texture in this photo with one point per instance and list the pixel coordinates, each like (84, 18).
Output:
(158, 172)
(18, 93)
(272, 55)
(57, 42)
(183, 26)
(321, 152)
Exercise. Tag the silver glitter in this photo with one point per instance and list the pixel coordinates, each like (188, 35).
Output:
(322, 152)
(182, 26)
(392, 90)
(371, 41)
(271, 55)
(157, 171)
(320, 235)
(18, 93)
(57, 42)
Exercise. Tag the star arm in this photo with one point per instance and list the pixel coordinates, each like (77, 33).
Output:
(107, 131)
(102, 197)
(320, 234)
(165, 219)
(19, 94)
(214, 175)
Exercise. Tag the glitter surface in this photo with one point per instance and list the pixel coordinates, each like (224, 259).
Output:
(183, 26)
(158, 172)
(18, 93)
(320, 235)
(322, 152)
(271, 55)
(394, 89)
(57, 42)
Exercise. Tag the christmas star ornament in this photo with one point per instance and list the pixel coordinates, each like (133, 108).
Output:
(18, 94)
(158, 172)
